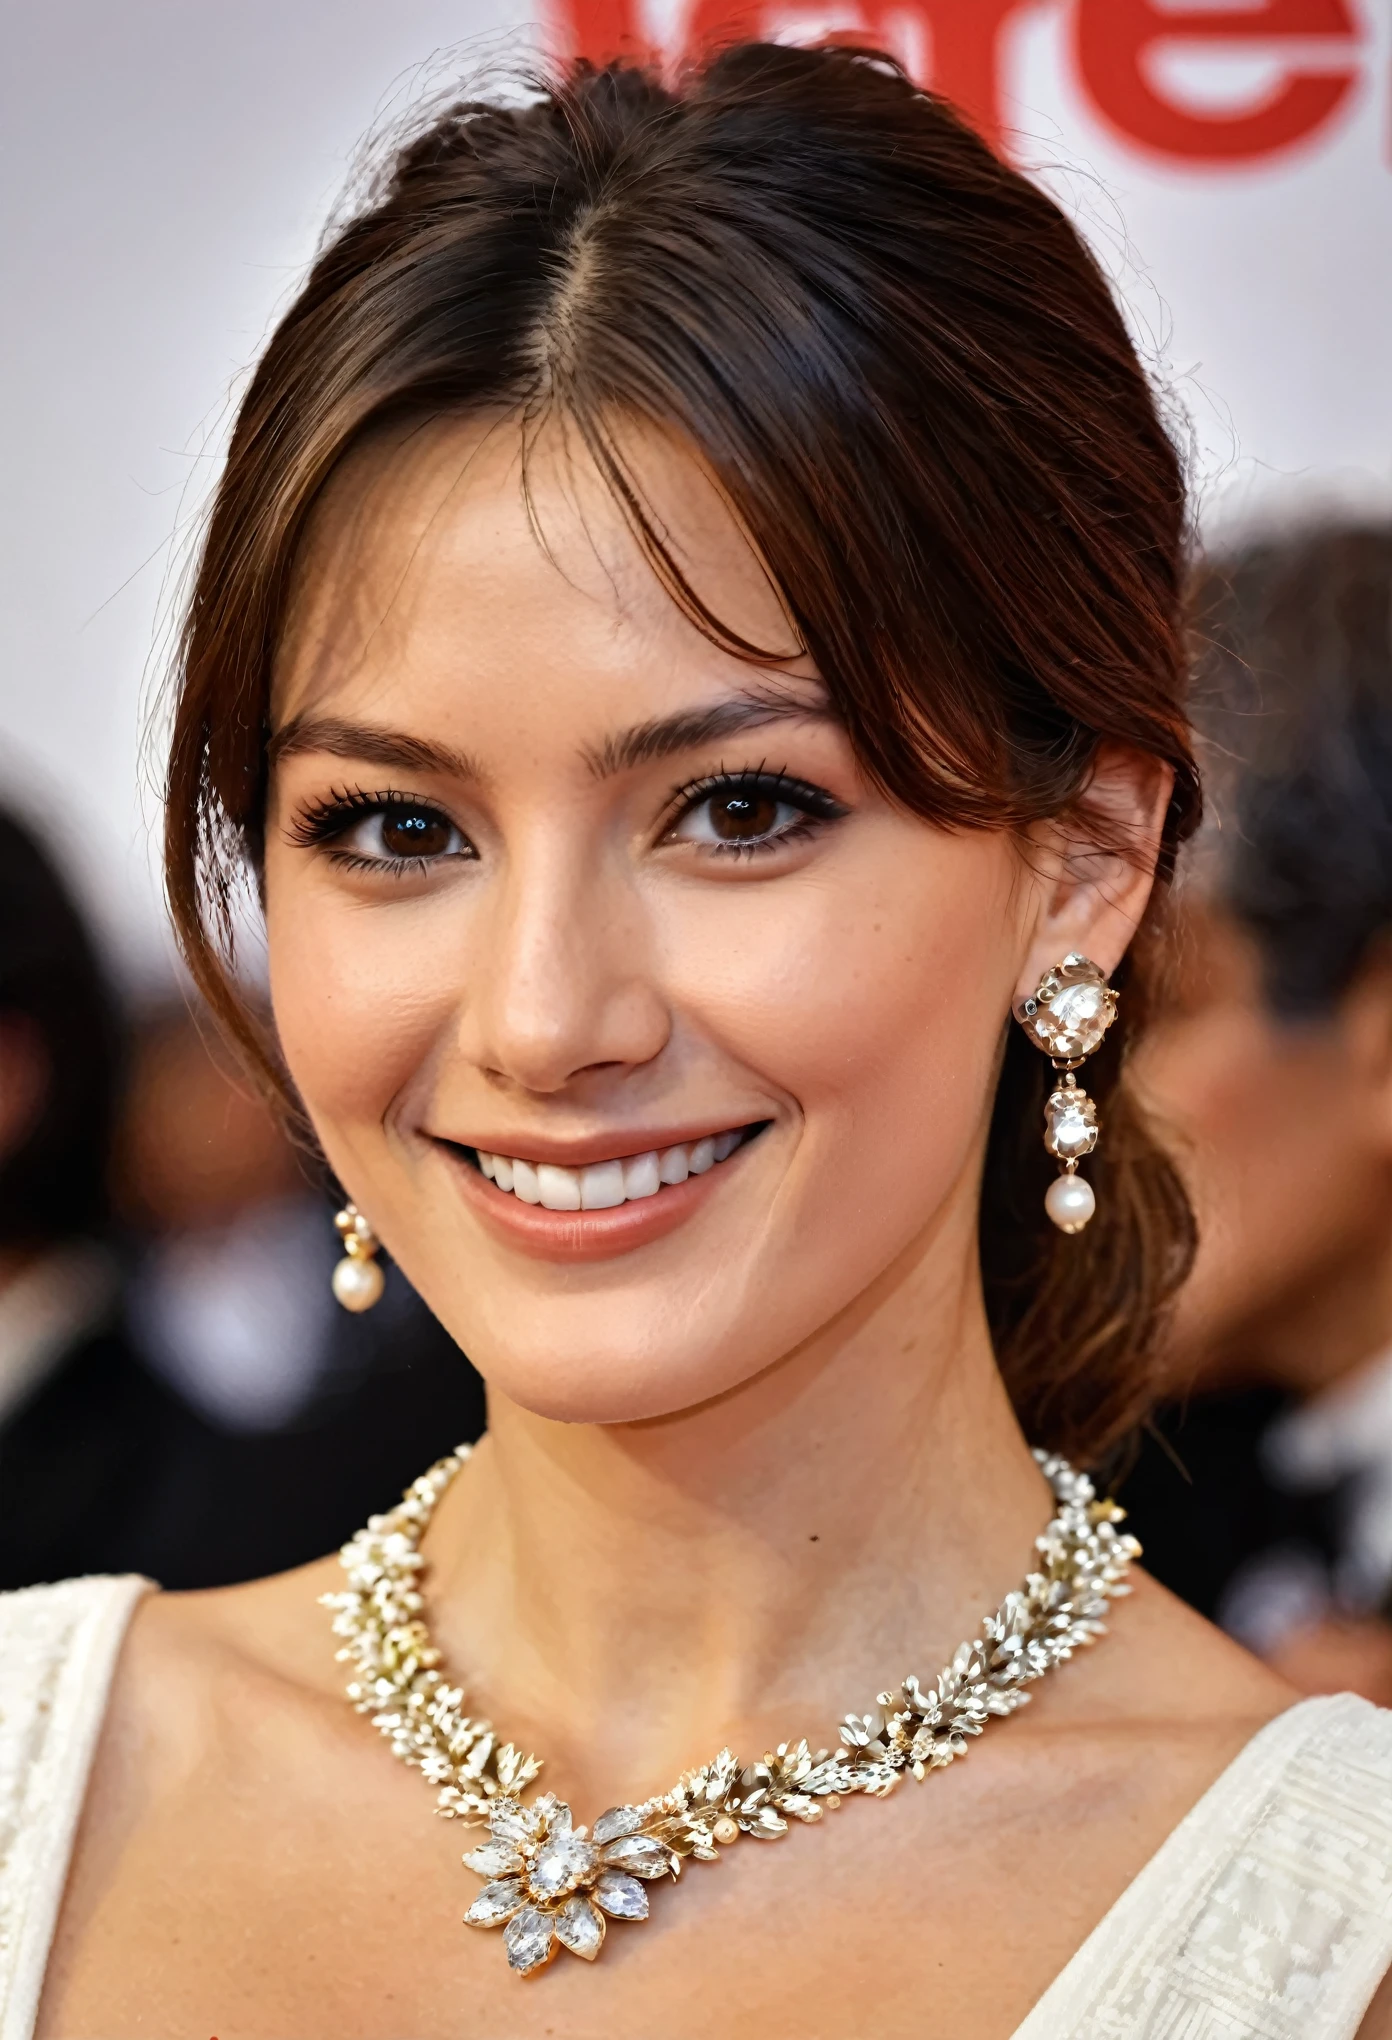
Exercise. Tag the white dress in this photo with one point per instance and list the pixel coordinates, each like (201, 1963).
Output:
(1266, 1915)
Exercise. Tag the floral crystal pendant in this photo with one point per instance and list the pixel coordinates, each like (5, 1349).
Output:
(549, 1884)
(550, 1887)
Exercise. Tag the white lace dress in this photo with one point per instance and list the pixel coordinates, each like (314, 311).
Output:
(1267, 1915)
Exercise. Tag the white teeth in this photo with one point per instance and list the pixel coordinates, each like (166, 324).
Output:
(559, 1188)
(671, 1165)
(641, 1177)
(603, 1185)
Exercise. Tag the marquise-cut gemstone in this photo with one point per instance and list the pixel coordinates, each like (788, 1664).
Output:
(640, 1854)
(561, 1863)
(493, 1859)
(619, 1820)
(581, 1928)
(495, 1903)
(528, 1939)
(623, 1898)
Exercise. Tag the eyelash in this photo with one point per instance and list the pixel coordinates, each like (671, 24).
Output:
(818, 806)
(322, 824)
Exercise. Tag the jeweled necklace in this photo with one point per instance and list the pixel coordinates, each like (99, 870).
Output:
(550, 1884)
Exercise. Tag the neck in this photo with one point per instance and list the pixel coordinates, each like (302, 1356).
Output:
(629, 1597)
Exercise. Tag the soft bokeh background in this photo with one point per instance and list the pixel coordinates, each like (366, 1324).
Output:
(177, 1392)
(168, 165)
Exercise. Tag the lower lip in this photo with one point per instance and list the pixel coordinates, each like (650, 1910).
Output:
(585, 1235)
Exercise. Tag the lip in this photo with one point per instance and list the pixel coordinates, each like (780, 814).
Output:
(585, 1235)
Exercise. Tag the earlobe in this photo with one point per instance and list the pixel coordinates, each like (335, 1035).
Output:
(1102, 870)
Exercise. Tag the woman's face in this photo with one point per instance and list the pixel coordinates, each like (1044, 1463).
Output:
(552, 878)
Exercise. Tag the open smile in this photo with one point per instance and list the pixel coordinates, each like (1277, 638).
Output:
(598, 1208)
(601, 1186)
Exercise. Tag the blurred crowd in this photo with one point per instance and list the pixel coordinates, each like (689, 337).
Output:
(1263, 1491)
(180, 1395)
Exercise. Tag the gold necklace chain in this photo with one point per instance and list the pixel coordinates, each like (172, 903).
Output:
(551, 1884)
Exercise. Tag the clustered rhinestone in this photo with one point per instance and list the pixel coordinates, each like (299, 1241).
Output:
(552, 1884)
(1067, 1016)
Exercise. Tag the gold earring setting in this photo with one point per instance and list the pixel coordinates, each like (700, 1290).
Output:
(1067, 1017)
(357, 1280)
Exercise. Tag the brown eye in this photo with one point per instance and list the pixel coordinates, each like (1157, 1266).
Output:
(741, 817)
(395, 834)
(415, 832)
(739, 812)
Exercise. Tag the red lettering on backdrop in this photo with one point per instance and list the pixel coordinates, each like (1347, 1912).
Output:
(964, 36)
(1112, 41)
(1113, 38)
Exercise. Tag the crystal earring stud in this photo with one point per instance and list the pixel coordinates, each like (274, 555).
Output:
(1067, 1016)
(357, 1279)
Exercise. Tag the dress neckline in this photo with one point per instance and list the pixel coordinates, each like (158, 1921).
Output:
(1187, 1861)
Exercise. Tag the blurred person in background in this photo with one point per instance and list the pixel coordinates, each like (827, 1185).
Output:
(1264, 1494)
(82, 1424)
(179, 1394)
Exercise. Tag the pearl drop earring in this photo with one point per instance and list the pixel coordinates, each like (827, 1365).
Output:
(357, 1280)
(1067, 1017)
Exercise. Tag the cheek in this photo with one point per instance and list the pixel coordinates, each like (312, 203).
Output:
(361, 996)
(873, 1005)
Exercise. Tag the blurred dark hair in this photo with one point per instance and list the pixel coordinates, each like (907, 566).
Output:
(909, 376)
(54, 1185)
(1296, 694)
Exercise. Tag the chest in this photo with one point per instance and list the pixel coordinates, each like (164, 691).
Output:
(252, 1897)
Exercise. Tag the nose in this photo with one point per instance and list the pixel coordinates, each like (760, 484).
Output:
(564, 985)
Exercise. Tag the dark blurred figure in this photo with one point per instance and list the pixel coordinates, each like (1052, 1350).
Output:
(179, 1396)
(1266, 1497)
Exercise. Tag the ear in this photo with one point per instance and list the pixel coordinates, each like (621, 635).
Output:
(1095, 866)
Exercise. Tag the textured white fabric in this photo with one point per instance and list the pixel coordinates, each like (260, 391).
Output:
(58, 1649)
(1267, 1915)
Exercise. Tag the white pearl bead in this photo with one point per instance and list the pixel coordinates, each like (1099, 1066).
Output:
(1070, 1203)
(357, 1283)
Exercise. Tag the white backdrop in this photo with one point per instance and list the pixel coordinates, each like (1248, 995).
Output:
(167, 164)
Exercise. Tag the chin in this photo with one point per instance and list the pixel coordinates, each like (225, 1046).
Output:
(624, 1357)
(611, 1384)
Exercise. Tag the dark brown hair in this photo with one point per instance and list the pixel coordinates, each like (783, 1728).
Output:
(909, 375)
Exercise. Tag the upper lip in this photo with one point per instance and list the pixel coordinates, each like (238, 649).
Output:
(616, 1146)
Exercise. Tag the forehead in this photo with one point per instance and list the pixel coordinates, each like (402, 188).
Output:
(446, 570)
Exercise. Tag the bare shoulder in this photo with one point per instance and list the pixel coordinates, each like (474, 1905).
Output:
(193, 1661)
(1167, 1677)
(1158, 1645)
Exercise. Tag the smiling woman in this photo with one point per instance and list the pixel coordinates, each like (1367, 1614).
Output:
(686, 645)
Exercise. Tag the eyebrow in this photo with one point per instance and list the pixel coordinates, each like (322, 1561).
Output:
(666, 735)
(393, 748)
(662, 737)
